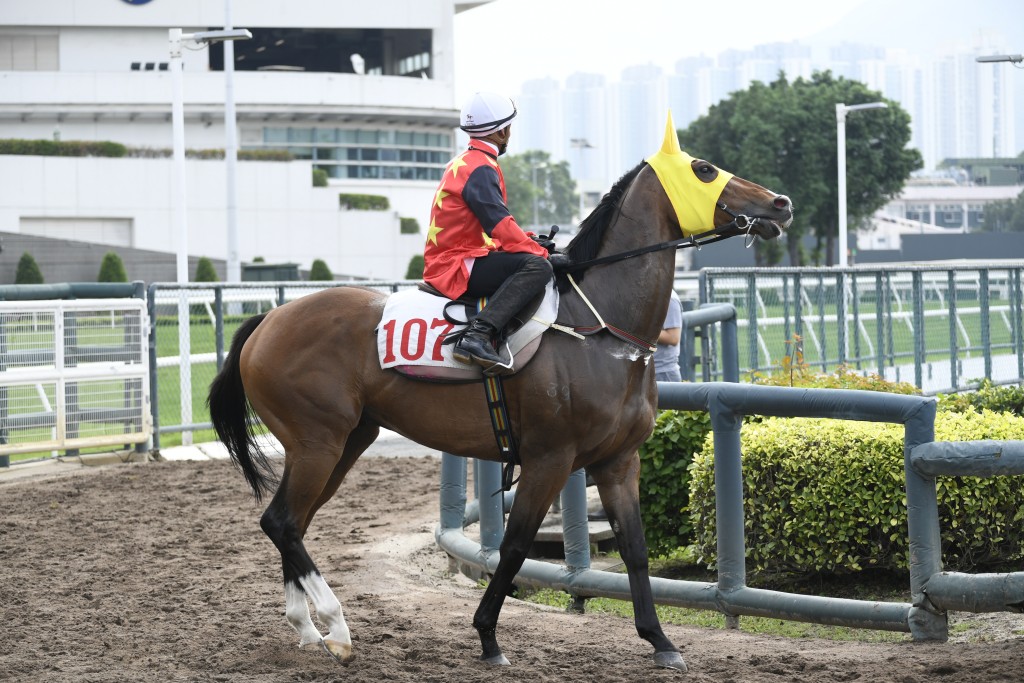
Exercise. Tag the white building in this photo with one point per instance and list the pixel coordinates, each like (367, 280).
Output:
(363, 91)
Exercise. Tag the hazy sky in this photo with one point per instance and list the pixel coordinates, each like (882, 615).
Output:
(502, 44)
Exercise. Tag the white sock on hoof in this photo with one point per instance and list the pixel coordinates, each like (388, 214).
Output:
(297, 610)
(328, 609)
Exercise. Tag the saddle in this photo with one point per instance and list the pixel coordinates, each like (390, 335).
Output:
(419, 327)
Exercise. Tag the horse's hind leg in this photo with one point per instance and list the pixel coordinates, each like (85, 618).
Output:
(310, 479)
(618, 483)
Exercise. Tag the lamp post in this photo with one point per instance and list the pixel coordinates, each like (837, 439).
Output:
(580, 144)
(176, 38)
(841, 111)
(1013, 59)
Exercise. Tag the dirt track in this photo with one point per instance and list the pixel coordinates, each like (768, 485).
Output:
(159, 572)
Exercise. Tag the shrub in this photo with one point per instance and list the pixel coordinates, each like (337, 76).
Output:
(205, 272)
(1002, 399)
(66, 148)
(112, 269)
(28, 272)
(665, 478)
(415, 269)
(410, 226)
(828, 496)
(320, 271)
(319, 177)
(364, 202)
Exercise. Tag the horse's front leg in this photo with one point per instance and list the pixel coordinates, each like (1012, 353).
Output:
(619, 484)
(536, 491)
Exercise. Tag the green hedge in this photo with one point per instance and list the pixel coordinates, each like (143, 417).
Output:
(665, 478)
(68, 148)
(828, 496)
(409, 226)
(1002, 399)
(364, 202)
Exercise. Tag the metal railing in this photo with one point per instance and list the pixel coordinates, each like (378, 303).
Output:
(73, 373)
(942, 328)
(181, 380)
(932, 590)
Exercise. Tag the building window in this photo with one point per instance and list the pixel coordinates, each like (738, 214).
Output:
(365, 152)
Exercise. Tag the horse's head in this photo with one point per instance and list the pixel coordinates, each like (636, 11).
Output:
(706, 198)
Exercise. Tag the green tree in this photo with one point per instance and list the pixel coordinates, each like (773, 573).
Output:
(783, 136)
(319, 271)
(1004, 216)
(28, 272)
(415, 269)
(112, 269)
(533, 181)
(205, 272)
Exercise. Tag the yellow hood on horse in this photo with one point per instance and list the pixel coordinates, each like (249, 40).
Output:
(694, 200)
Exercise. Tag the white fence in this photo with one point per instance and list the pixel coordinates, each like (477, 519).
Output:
(74, 374)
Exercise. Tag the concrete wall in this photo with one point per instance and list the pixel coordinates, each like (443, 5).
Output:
(281, 216)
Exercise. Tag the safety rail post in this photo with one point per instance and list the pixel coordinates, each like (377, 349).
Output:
(687, 346)
(855, 299)
(841, 316)
(732, 572)
(954, 344)
(798, 309)
(822, 336)
(218, 324)
(154, 398)
(984, 304)
(490, 497)
(575, 526)
(752, 321)
(919, 331)
(1018, 326)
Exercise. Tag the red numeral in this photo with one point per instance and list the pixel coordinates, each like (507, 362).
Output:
(421, 341)
(439, 322)
(389, 342)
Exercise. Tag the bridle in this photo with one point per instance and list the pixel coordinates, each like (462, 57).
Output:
(739, 221)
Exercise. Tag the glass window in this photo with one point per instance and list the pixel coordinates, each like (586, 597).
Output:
(300, 135)
(406, 154)
(347, 135)
(352, 171)
(369, 171)
(408, 173)
(422, 173)
(301, 152)
(422, 157)
(436, 173)
(326, 134)
(419, 139)
(403, 137)
(386, 137)
(275, 135)
(369, 153)
(389, 155)
(390, 172)
(438, 157)
(326, 152)
(352, 153)
(446, 140)
(366, 136)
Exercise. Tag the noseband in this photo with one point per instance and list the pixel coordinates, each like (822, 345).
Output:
(741, 222)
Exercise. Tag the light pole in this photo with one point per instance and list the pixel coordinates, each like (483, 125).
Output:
(841, 111)
(580, 144)
(176, 38)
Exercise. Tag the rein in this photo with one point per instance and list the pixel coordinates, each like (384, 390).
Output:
(739, 222)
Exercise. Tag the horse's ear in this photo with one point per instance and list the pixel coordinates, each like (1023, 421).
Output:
(671, 143)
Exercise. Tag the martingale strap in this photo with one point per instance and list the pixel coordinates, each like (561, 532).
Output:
(494, 391)
(507, 445)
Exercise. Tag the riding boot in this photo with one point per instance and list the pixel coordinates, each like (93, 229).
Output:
(477, 345)
(516, 293)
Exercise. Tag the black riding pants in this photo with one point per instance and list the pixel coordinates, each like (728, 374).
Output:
(511, 280)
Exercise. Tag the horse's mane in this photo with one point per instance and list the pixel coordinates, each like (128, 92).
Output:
(584, 246)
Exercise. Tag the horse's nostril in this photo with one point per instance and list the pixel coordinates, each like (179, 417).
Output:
(781, 202)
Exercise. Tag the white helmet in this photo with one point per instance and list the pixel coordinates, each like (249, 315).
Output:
(485, 113)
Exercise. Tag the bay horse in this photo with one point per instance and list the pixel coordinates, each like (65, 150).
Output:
(310, 371)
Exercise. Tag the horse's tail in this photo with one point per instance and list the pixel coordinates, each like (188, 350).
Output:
(233, 417)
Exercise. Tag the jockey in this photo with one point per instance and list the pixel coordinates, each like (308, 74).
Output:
(474, 245)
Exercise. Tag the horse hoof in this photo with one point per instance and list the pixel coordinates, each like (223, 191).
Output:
(340, 651)
(670, 660)
(497, 660)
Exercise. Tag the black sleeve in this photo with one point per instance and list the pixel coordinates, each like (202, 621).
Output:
(482, 194)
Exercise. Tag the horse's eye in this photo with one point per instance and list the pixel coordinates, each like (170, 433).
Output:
(706, 168)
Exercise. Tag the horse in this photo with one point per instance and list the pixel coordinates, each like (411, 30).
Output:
(310, 371)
